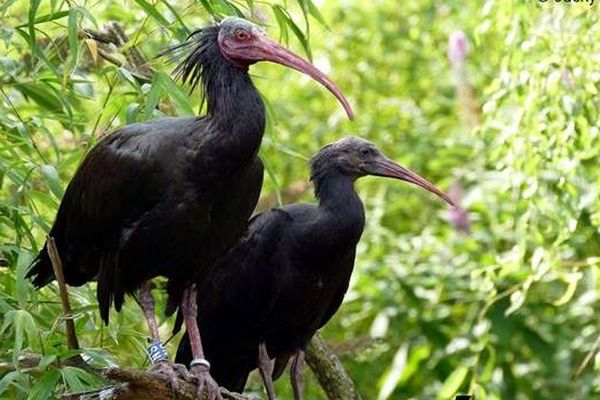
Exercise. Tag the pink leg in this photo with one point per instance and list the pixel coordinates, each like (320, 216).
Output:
(199, 367)
(147, 303)
(296, 374)
(160, 362)
(265, 368)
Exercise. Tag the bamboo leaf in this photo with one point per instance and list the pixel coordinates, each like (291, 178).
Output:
(21, 284)
(87, 15)
(40, 93)
(281, 21)
(153, 97)
(73, 43)
(52, 179)
(224, 7)
(5, 6)
(186, 30)
(23, 325)
(7, 380)
(452, 384)
(571, 279)
(273, 177)
(45, 385)
(314, 11)
(153, 12)
(76, 379)
(285, 18)
(46, 18)
(208, 7)
(33, 7)
(392, 376)
(178, 96)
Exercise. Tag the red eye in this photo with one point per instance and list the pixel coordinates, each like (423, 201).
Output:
(241, 34)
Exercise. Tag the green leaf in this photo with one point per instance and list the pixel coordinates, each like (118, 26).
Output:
(314, 11)
(571, 279)
(73, 40)
(45, 385)
(5, 6)
(46, 18)
(131, 113)
(453, 383)
(285, 18)
(52, 179)
(177, 17)
(208, 7)
(9, 318)
(87, 15)
(224, 7)
(33, 6)
(282, 22)
(394, 373)
(153, 12)
(516, 301)
(8, 380)
(23, 324)
(273, 177)
(42, 95)
(21, 285)
(77, 379)
(178, 96)
(153, 97)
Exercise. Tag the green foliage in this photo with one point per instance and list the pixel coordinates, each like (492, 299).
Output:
(509, 310)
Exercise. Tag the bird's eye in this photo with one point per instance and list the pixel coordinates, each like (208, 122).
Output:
(365, 151)
(241, 34)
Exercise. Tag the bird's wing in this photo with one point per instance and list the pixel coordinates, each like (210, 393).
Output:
(235, 298)
(338, 297)
(244, 276)
(117, 181)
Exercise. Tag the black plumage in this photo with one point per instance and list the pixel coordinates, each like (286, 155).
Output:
(169, 196)
(152, 195)
(287, 276)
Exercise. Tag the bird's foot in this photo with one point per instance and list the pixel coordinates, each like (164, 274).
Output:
(200, 374)
(170, 370)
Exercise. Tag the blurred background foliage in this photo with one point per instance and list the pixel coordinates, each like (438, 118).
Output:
(496, 101)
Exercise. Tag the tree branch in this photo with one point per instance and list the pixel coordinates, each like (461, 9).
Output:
(72, 342)
(329, 371)
(113, 37)
(133, 384)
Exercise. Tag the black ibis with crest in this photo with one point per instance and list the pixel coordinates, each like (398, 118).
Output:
(167, 197)
(288, 274)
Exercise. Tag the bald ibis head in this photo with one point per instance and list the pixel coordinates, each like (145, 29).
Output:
(356, 157)
(242, 44)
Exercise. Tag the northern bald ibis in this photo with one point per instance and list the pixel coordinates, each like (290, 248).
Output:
(167, 197)
(288, 274)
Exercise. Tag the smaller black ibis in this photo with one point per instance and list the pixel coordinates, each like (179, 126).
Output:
(288, 274)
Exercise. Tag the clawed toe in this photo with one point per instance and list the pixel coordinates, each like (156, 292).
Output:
(183, 372)
(205, 383)
(168, 369)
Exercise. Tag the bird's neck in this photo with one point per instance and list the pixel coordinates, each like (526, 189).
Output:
(233, 103)
(337, 196)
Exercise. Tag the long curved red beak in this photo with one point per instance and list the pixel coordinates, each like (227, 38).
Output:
(268, 50)
(388, 168)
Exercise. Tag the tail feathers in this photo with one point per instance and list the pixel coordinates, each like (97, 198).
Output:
(82, 268)
(175, 289)
(281, 363)
(111, 286)
(178, 322)
(41, 272)
(104, 293)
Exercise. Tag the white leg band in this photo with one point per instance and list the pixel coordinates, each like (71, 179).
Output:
(200, 361)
